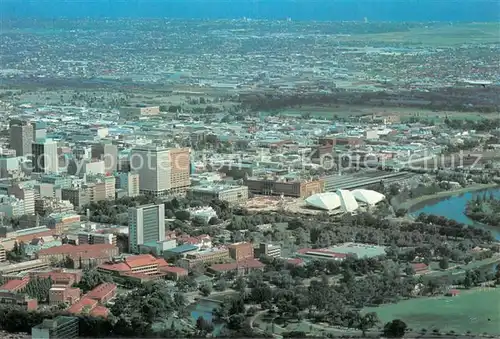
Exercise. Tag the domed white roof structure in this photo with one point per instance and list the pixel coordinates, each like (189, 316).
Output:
(347, 201)
(325, 201)
(369, 197)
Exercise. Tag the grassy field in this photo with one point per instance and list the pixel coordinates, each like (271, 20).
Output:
(441, 36)
(477, 311)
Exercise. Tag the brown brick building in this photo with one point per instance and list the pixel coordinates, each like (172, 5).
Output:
(241, 251)
(59, 294)
(292, 188)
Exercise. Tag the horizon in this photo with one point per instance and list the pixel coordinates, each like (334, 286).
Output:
(300, 10)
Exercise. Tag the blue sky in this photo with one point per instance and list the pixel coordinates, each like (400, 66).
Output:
(374, 10)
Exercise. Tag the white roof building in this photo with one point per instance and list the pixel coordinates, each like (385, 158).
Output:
(325, 201)
(346, 200)
(369, 197)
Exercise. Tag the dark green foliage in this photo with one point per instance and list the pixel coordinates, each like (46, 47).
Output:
(92, 279)
(39, 289)
(395, 329)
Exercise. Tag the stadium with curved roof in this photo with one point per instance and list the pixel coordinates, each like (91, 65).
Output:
(326, 201)
(345, 200)
(369, 197)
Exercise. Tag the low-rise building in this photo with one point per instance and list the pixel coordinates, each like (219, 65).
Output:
(210, 256)
(103, 293)
(59, 276)
(82, 256)
(174, 272)
(241, 251)
(241, 268)
(270, 250)
(15, 285)
(19, 299)
(23, 266)
(3, 253)
(231, 194)
(60, 294)
(289, 188)
(319, 254)
(63, 222)
(59, 327)
(96, 238)
(143, 267)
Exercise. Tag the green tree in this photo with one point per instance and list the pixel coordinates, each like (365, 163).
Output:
(395, 329)
(444, 263)
(205, 290)
(367, 321)
(91, 279)
(182, 215)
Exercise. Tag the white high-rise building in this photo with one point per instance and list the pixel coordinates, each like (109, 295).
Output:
(146, 226)
(45, 158)
(152, 163)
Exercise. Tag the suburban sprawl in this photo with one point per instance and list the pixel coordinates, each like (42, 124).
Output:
(246, 178)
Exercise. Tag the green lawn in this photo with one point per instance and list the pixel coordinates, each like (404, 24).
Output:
(441, 36)
(477, 311)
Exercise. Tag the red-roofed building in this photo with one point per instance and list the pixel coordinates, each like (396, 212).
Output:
(87, 255)
(15, 285)
(59, 277)
(29, 237)
(420, 267)
(85, 305)
(102, 293)
(242, 267)
(143, 267)
(100, 311)
(453, 293)
(174, 272)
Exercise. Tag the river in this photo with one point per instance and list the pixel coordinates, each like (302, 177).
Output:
(453, 207)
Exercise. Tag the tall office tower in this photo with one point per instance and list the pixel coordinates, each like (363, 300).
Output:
(180, 162)
(45, 158)
(39, 130)
(146, 226)
(152, 162)
(21, 137)
(108, 152)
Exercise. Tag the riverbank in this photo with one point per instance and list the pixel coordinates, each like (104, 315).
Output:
(412, 203)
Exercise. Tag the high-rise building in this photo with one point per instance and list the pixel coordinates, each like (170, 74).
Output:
(146, 226)
(108, 152)
(21, 137)
(152, 162)
(180, 162)
(59, 327)
(45, 158)
(39, 130)
(129, 182)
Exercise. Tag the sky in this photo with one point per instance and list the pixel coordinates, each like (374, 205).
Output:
(330, 10)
